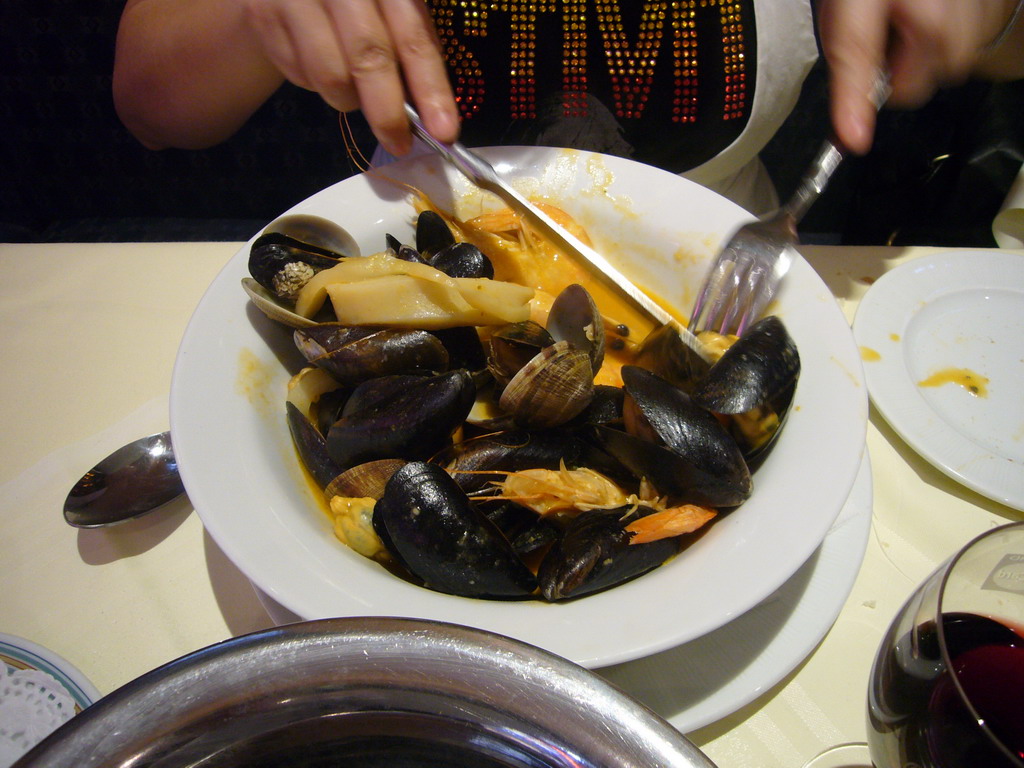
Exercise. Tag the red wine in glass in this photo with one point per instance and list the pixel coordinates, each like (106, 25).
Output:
(961, 709)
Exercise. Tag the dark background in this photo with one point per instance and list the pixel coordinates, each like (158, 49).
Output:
(70, 172)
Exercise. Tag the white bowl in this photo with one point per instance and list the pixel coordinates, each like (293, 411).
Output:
(242, 474)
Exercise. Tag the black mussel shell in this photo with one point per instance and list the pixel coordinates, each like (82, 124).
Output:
(444, 540)
(478, 462)
(311, 240)
(328, 408)
(527, 530)
(465, 350)
(753, 384)
(594, 553)
(665, 354)
(412, 421)
(408, 253)
(352, 354)
(605, 407)
(311, 447)
(462, 260)
(544, 532)
(679, 447)
(761, 368)
(315, 233)
(267, 259)
(432, 234)
(372, 393)
(400, 251)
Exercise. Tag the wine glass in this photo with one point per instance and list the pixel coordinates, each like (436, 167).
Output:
(947, 684)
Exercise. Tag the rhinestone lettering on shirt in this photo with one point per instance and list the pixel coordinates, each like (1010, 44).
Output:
(631, 56)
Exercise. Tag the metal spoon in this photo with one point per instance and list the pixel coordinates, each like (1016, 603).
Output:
(130, 482)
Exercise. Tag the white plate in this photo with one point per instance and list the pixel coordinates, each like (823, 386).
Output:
(711, 677)
(241, 472)
(950, 311)
(24, 654)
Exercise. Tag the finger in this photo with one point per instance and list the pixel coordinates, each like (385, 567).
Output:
(322, 57)
(920, 50)
(854, 34)
(422, 63)
(266, 19)
(373, 65)
(937, 45)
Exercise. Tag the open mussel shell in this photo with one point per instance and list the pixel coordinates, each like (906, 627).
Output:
(594, 553)
(303, 243)
(432, 234)
(311, 447)
(606, 407)
(760, 369)
(465, 350)
(682, 449)
(753, 384)
(270, 306)
(435, 532)
(314, 232)
(525, 529)
(665, 353)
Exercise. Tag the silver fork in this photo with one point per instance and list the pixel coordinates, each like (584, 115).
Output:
(745, 276)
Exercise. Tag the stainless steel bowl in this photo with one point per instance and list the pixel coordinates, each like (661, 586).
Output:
(363, 693)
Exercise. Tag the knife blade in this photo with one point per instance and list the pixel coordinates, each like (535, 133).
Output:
(483, 175)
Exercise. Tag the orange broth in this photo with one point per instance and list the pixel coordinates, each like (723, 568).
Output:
(521, 255)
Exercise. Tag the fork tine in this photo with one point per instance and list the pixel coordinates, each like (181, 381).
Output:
(740, 293)
(709, 291)
(726, 292)
(754, 296)
(718, 286)
(763, 282)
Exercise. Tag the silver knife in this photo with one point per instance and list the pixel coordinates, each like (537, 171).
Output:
(483, 175)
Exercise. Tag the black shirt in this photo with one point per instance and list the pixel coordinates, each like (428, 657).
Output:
(666, 82)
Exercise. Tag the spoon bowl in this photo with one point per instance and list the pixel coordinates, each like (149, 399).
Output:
(135, 479)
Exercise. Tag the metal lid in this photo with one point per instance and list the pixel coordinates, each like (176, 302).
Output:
(376, 692)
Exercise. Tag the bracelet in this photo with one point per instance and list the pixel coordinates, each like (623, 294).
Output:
(1006, 29)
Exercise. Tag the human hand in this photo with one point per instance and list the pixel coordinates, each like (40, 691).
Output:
(925, 44)
(362, 54)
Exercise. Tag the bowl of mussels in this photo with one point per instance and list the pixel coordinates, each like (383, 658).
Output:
(398, 399)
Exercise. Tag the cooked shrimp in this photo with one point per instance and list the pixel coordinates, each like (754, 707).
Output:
(554, 490)
(673, 521)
